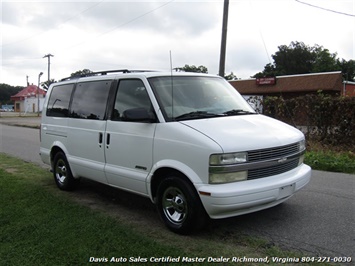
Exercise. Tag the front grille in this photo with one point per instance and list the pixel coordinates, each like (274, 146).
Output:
(272, 154)
(272, 170)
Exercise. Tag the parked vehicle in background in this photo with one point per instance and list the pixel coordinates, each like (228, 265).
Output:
(6, 109)
(188, 141)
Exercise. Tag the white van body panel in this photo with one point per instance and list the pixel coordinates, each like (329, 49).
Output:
(46, 153)
(176, 166)
(246, 133)
(54, 133)
(129, 154)
(183, 148)
(85, 154)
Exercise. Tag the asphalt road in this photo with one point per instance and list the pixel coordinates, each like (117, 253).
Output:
(318, 220)
(21, 142)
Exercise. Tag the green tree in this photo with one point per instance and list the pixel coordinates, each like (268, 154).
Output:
(298, 58)
(324, 61)
(231, 76)
(80, 73)
(45, 85)
(192, 68)
(6, 91)
(269, 71)
(348, 69)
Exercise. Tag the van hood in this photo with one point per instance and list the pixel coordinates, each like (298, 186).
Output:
(246, 132)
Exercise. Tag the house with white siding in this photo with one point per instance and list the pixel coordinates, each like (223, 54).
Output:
(29, 100)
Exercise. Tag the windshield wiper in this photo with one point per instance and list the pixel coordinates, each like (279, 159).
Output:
(238, 112)
(196, 115)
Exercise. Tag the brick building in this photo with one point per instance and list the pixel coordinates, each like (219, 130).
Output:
(296, 85)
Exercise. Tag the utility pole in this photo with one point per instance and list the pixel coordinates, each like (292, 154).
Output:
(222, 59)
(38, 89)
(49, 63)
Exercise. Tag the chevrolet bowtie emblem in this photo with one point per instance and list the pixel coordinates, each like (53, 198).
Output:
(282, 160)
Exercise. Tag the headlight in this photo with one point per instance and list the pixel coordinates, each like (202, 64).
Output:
(302, 145)
(301, 159)
(218, 173)
(220, 178)
(228, 158)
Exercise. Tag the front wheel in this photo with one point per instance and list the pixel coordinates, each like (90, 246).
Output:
(179, 205)
(62, 173)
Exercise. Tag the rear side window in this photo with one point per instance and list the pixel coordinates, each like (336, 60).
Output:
(58, 103)
(90, 99)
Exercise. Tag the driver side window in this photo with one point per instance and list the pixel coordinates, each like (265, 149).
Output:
(131, 94)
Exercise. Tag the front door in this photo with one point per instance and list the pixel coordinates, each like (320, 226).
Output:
(129, 145)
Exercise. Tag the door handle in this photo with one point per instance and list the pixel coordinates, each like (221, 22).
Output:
(101, 136)
(108, 138)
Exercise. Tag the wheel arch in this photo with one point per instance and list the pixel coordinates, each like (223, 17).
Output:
(166, 171)
(54, 151)
(59, 147)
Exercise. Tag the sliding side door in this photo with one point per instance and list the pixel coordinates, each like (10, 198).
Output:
(86, 129)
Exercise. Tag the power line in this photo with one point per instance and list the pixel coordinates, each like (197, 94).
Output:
(326, 9)
(257, 18)
(122, 25)
(55, 26)
(99, 35)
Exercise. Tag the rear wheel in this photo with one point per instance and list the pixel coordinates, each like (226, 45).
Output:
(62, 173)
(179, 205)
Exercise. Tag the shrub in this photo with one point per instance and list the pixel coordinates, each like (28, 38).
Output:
(324, 118)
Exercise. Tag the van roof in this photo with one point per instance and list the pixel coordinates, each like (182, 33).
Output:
(146, 73)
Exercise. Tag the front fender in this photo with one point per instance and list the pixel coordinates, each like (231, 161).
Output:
(173, 165)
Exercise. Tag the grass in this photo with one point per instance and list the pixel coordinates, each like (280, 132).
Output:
(39, 225)
(39, 228)
(333, 159)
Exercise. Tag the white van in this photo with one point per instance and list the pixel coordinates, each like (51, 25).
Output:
(188, 141)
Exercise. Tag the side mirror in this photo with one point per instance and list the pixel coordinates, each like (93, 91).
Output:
(138, 115)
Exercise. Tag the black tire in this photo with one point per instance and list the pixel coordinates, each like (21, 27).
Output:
(62, 174)
(179, 206)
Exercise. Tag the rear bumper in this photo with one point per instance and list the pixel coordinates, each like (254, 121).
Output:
(233, 199)
(45, 155)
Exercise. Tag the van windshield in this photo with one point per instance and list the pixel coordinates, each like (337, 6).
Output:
(196, 97)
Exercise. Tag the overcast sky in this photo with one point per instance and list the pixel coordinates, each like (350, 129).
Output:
(115, 34)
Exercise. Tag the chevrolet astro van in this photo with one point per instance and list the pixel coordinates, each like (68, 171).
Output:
(188, 141)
